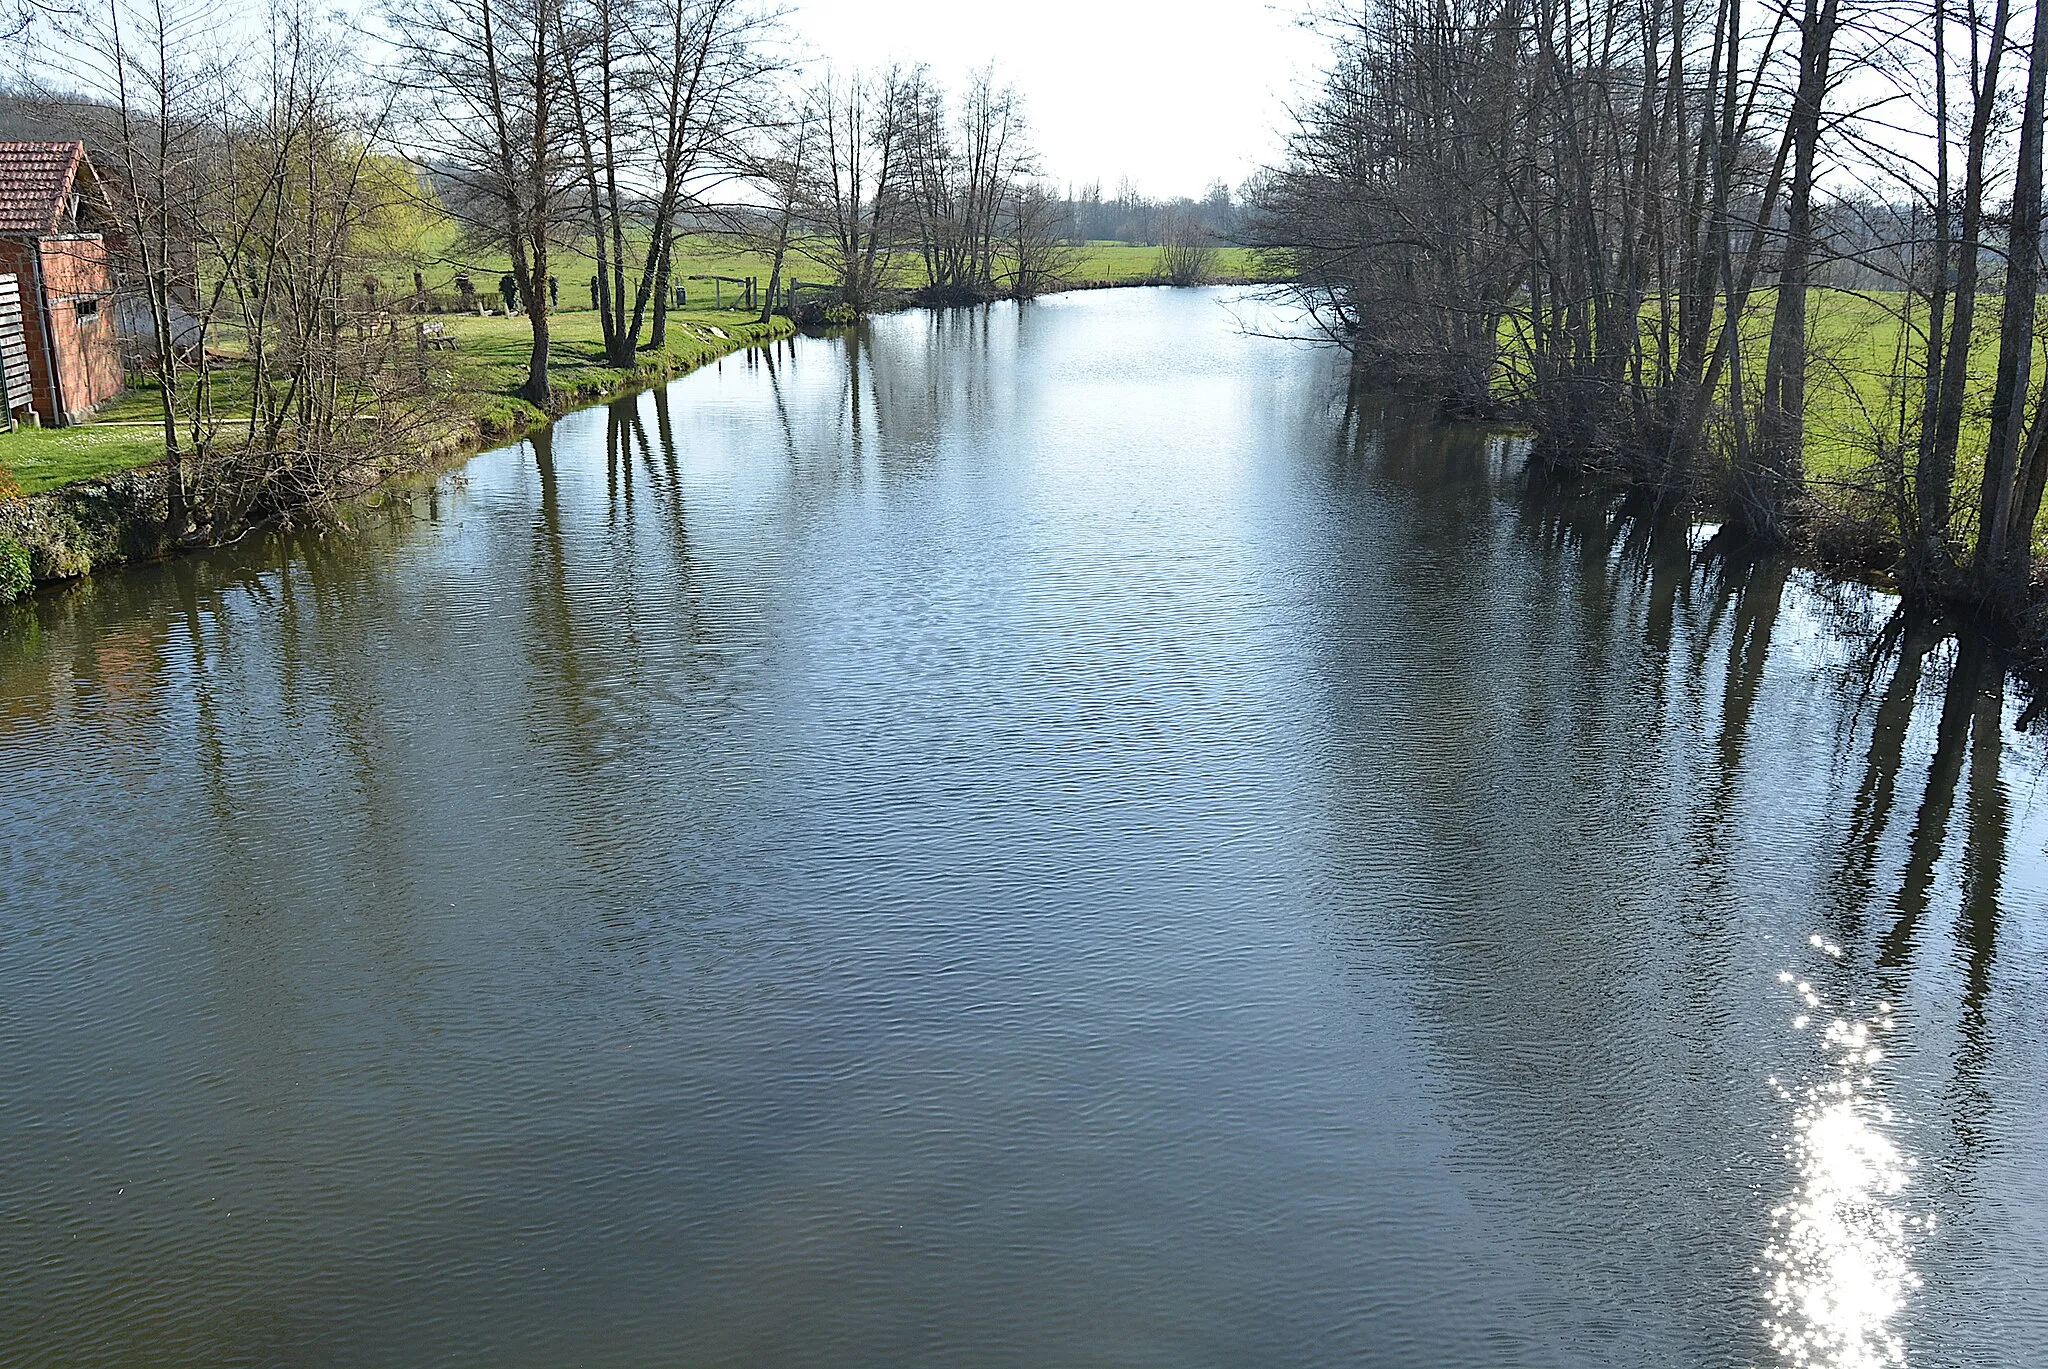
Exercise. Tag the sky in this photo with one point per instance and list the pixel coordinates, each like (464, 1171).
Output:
(1174, 94)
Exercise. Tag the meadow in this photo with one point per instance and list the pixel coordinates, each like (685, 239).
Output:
(439, 253)
(477, 379)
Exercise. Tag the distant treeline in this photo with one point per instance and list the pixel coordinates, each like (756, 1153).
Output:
(1085, 216)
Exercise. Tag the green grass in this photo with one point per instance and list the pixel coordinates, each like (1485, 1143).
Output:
(439, 254)
(44, 458)
(1854, 340)
(480, 376)
(1118, 261)
(491, 353)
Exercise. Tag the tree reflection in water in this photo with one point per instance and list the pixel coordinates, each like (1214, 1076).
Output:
(1842, 1262)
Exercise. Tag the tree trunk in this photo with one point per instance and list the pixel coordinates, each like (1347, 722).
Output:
(2003, 550)
(1927, 551)
(658, 337)
(1762, 492)
(775, 268)
(1937, 465)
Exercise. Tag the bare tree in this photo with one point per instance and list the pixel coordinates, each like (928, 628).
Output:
(481, 104)
(19, 17)
(863, 124)
(962, 170)
(1039, 259)
(328, 389)
(155, 85)
(1187, 256)
(786, 171)
(1763, 486)
(2009, 504)
(239, 201)
(1599, 214)
(664, 96)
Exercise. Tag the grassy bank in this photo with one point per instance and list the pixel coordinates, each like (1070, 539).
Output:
(483, 370)
(95, 495)
(489, 360)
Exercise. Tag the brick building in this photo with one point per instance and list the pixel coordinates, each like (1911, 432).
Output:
(64, 279)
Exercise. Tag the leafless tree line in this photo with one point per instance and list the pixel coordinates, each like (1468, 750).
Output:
(900, 187)
(1127, 215)
(613, 124)
(620, 126)
(1623, 221)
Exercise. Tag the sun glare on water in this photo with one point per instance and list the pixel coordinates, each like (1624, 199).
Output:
(1838, 1267)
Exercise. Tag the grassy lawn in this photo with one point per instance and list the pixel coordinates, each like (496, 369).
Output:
(478, 377)
(43, 458)
(439, 255)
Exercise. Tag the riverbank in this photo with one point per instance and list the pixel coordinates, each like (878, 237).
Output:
(1841, 527)
(74, 525)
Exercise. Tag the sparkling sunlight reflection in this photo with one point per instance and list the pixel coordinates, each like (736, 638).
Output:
(1838, 1268)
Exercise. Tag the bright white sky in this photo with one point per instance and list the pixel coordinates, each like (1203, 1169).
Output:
(1172, 93)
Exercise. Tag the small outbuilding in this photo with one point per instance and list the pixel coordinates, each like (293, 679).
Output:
(57, 322)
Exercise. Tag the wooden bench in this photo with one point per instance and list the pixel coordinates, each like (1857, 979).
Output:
(434, 337)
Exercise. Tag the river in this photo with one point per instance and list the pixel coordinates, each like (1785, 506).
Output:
(1013, 837)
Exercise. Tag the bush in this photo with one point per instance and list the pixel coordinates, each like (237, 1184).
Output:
(1188, 262)
(15, 577)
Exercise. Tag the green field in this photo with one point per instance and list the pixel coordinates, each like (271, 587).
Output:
(439, 254)
(480, 375)
(1123, 261)
(1855, 342)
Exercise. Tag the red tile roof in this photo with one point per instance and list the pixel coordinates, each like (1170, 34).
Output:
(35, 181)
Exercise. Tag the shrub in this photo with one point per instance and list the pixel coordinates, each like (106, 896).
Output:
(16, 579)
(1189, 262)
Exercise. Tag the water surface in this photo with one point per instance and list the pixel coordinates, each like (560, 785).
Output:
(1016, 837)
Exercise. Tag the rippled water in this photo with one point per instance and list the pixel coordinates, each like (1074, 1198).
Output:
(1014, 838)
